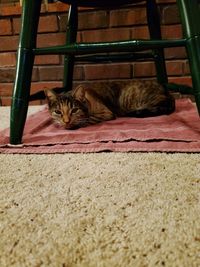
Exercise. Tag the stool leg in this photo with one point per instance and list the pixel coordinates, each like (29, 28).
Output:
(71, 33)
(25, 58)
(190, 18)
(153, 19)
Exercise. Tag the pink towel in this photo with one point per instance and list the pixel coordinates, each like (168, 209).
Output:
(178, 132)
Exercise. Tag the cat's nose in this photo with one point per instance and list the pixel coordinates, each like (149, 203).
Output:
(65, 119)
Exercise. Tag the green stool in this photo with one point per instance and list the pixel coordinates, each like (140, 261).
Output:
(27, 50)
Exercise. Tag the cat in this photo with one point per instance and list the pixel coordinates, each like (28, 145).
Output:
(87, 105)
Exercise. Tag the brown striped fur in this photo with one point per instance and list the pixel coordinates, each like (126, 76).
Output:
(105, 101)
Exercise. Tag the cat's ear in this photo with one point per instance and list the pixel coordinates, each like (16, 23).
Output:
(50, 95)
(79, 93)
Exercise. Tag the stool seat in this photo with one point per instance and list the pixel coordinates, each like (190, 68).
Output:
(101, 3)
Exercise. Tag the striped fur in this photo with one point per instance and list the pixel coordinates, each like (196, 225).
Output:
(104, 101)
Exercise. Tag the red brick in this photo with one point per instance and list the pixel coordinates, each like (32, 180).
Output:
(109, 71)
(135, 16)
(62, 22)
(168, 32)
(186, 80)
(35, 103)
(93, 20)
(170, 15)
(35, 74)
(186, 68)
(10, 10)
(51, 8)
(147, 69)
(56, 73)
(6, 101)
(43, 101)
(7, 59)
(175, 53)
(140, 32)
(6, 89)
(9, 43)
(47, 60)
(106, 35)
(51, 73)
(52, 39)
(87, 20)
(38, 86)
(8, 2)
(144, 69)
(46, 24)
(78, 73)
(172, 32)
(174, 68)
(58, 7)
(5, 27)
(89, 83)
(8, 75)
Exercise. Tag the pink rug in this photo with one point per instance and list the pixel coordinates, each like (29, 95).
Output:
(178, 132)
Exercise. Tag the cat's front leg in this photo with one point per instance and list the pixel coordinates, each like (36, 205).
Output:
(102, 116)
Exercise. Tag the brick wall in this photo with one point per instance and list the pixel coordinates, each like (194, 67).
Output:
(8, 2)
(96, 25)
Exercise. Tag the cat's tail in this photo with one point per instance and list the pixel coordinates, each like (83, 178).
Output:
(167, 106)
(164, 107)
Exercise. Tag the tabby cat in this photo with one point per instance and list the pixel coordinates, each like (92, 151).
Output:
(86, 105)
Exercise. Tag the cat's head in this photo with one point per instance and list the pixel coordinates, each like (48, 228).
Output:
(69, 109)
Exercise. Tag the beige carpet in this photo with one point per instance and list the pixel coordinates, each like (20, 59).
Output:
(99, 210)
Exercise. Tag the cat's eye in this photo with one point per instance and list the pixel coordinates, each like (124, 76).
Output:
(57, 111)
(74, 110)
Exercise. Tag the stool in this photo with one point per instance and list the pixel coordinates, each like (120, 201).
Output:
(125, 50)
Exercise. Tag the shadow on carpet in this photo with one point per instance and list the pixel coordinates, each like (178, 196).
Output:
(178, 132)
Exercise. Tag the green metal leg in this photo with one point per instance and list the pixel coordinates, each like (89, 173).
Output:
(71, 33)
(190, 18)
(155, 33)
(25, 58)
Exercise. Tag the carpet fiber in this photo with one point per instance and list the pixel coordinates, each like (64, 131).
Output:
(90, 210)
(99, 209)
(178, 132)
